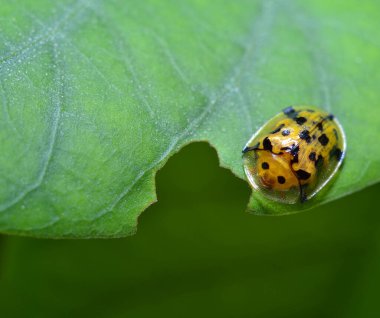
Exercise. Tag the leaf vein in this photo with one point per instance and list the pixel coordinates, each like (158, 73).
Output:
(58, 101)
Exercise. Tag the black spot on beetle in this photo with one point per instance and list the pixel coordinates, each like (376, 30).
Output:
(286, 132)
(246, 149)
(320, 126)
(277, 129)
(265, 165)
(323, 139)
(339, 154)
(289, 111)
(300, 120)
(330, 117)
(294, 150)
(302, 174)
(319, 162)
(267, 144)
(336, 153)
(304, 135)
(314, 137)
(313, 156)
(295, 159)
(281, 179)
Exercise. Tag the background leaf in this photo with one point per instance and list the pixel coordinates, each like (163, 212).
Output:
(96, 96)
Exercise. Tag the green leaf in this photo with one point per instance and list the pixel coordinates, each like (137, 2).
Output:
(97, 95)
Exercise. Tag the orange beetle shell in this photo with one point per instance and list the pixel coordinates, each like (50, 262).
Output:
(295, 154)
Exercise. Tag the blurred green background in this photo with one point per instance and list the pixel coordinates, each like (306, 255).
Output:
(198, 254)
